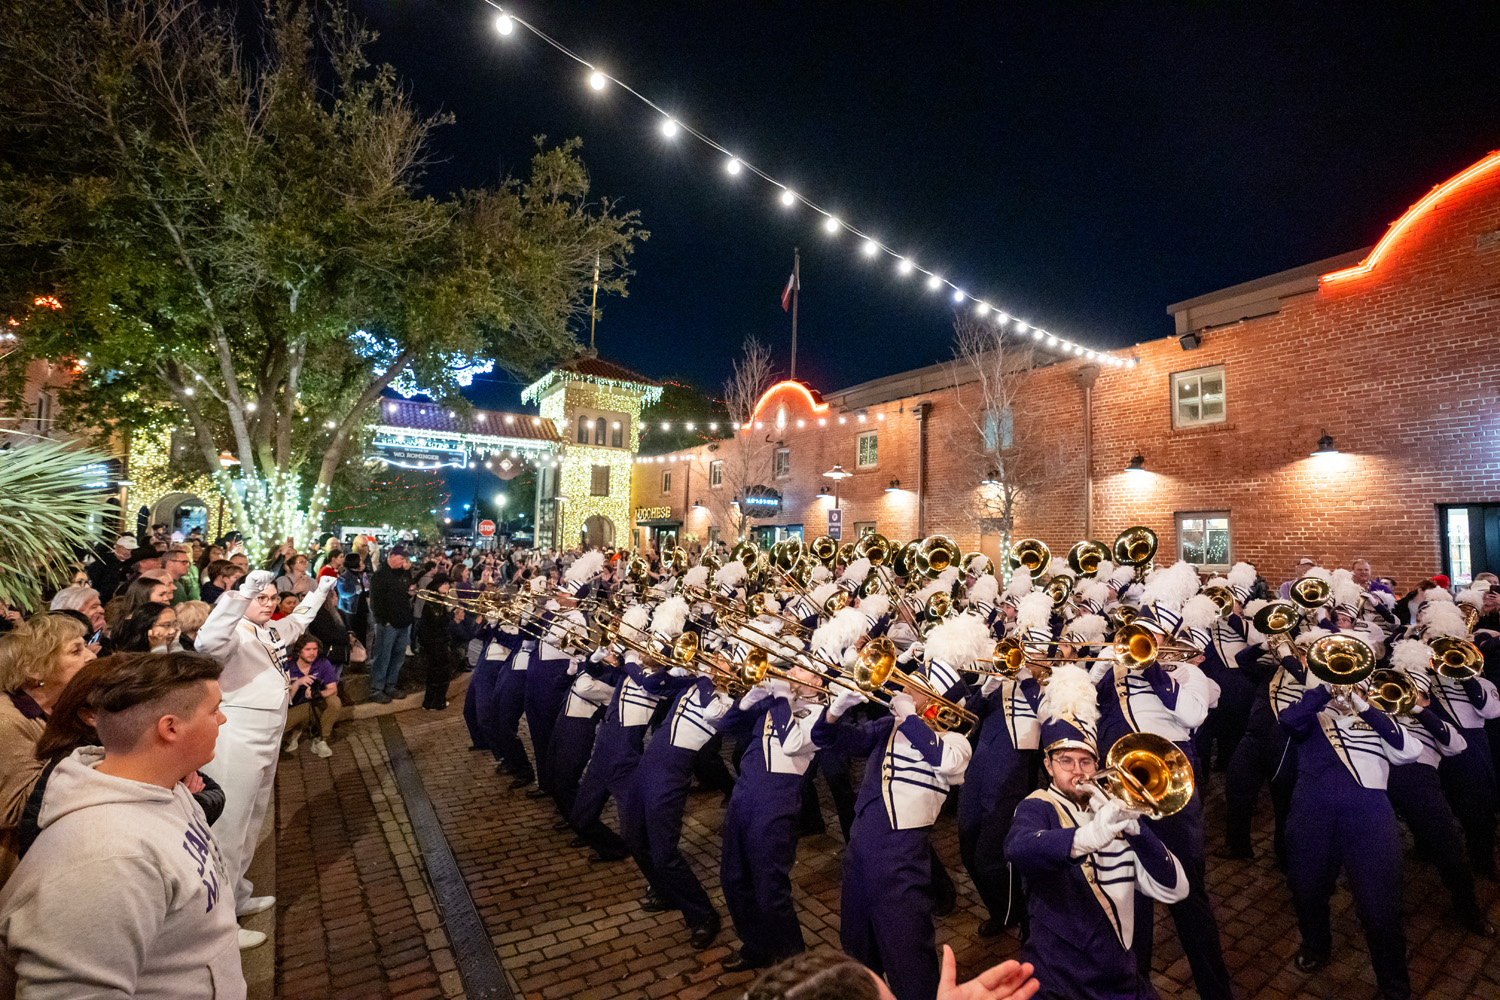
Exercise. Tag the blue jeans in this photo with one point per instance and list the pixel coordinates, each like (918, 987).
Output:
(387, 653)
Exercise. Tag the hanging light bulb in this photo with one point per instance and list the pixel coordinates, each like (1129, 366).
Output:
(597, 80)
(958, 295)
(934, 282)
(504, 24)
(904, 266)
(669, 128)
(831, 224)
(870, 248)
(788, 197)
(732, 165)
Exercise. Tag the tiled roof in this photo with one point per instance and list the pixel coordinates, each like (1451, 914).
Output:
(599, 368)
(418, 416)
(590, 366)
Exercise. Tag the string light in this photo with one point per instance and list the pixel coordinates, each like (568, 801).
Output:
(504, 24)
(733, 165)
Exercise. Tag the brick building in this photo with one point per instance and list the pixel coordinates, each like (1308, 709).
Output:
(1392, 352)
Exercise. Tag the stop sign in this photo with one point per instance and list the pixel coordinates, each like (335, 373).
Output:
(486, 528)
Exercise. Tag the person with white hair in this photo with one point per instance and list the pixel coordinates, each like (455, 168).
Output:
(240, 634)
(84, 600)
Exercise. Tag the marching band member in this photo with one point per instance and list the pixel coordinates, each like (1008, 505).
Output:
(621, 737)
(1341, 816)
(573, 741)
(508, 703)
(1085, 859)
(548, 680)
(1225, 725)
(1469, 776)
(887, 903)
(1000, 774)
(1264, 753)
(760, 824)
(240, 634)
(1417, 794)
(1173, 704)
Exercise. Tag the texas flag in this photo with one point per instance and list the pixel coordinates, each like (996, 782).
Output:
(792, 284)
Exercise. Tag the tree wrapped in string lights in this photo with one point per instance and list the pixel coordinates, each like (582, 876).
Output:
(241, 246)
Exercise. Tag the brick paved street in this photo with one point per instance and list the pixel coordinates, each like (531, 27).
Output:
(357, 919)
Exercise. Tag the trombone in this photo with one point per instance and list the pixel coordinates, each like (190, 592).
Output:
(1147, 773)
(876, 665)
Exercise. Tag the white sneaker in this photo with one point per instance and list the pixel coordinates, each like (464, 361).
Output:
(321, 748)
(251, 939)
(291, 743)
(254, 905)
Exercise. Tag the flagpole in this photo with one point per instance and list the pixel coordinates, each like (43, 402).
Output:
(594, 305)
(796, 287)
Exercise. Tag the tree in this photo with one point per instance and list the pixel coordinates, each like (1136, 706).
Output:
(681, 404)
(240, 242)
(49, 514)
(1003, 437)
(367, 493)
(746, 454)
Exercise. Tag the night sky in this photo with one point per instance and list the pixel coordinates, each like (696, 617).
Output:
(1081, 165)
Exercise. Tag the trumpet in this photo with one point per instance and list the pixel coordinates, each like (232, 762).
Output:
(1147, 773)
(1085, 556)
(1343, 662)
(1456, 659)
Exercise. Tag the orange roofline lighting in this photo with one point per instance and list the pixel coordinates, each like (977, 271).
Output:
(818, 406)
(1406, 221)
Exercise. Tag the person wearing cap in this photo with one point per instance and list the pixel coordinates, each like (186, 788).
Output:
(1173, 704)
(1341, 817)
(1086, 860)
(391, 591)
(1303, 565)
(108, 569)
(886, 906)
(240, 634)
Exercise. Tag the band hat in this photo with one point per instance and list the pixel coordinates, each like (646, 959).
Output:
(1092, 596)
(983, 593)
(854, 575)
(1069, 711)
(1086, 629)
(1159, 619)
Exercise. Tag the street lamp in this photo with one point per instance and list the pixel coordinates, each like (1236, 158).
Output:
(500, 499)
(836, 473)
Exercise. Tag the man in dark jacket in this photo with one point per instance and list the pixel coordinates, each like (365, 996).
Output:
(391, 591)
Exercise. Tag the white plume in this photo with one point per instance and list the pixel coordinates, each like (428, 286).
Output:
(636, 618)
(669, 617)
(731, 574)
(1020, 585)
(1035, 610)
(1171, 586)
(1346, 592)
(539, 585)
(1443, 618)
(585, 567)
(876, 606)
(1121, 577)
(773, 606)
(1308, 636)
(1069, 695)
(1105, 570)
(1339, 576)
(1321, 574)
(1242, 574)
(959, 641)
(1411, 655)
(821, 574)
(981, 565)
(1199, 613)
(1471, 597)
(985, 590)
(1216, 581)
(1252, 634)
(1056, 566)
(936, 586)
(1086, 628)
(839, 632)
(1095, 591)
(1436, 594)
(856, 572)
(696, 577)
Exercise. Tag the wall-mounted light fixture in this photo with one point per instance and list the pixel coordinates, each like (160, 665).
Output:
(895, 486)
(1136, 464)
(1325, 445)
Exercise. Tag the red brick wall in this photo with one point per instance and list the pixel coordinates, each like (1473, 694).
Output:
(1401, 366)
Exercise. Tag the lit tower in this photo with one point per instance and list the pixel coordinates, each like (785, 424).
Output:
(596, 407)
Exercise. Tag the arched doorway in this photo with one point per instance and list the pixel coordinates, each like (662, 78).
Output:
(180, 512)
(598, 531)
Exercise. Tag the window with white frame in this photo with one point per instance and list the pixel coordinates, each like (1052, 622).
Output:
(599, 486)
(999, 429)
(863, 528)
(782, 465)
(1203, 539)
(666, 481)
(716, 474)
(1198, 397)
(867, 452)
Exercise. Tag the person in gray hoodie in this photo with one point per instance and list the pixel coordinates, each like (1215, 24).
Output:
(125, 893)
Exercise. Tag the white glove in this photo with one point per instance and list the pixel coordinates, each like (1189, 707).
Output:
(325, 583)
(680, 672)
(1096, 834)
(573, 668)
(717, 706)
(990, 686)
(754, 697)
(1360, 705)
(902, 706)
(257, 581)
(599, 654)
(846, 699)
(779, 688)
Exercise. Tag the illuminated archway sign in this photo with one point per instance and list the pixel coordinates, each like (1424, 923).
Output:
(761, 501)
(1409, 219)
(791, 394)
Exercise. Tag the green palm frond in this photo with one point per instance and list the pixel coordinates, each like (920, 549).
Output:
(47, 516)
